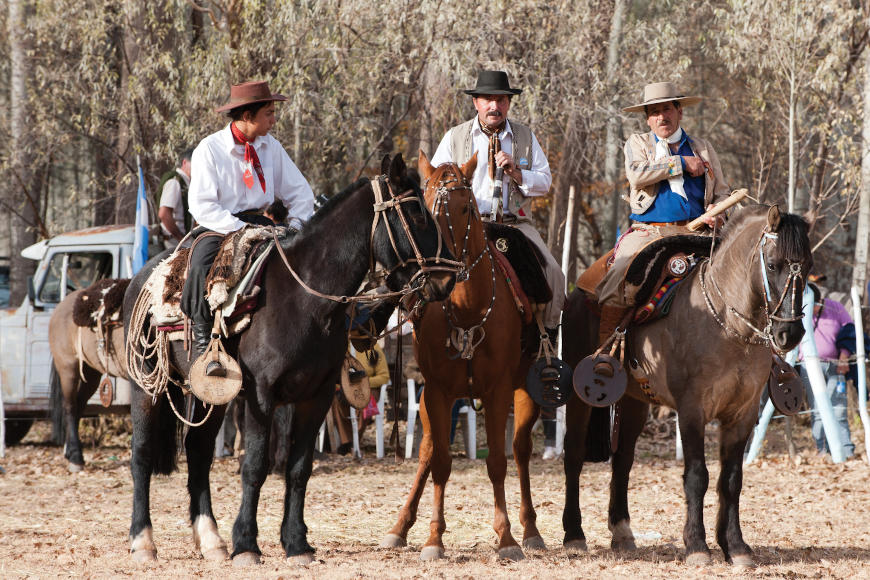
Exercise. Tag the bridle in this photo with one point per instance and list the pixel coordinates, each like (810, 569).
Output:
(463, 340)
(795, 279)
(382, 205)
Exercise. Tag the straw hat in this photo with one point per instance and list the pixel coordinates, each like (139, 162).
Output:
(248, 93)
(661, 93)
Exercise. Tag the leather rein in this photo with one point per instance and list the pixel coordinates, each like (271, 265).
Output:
(463, 340)
(380, 185)
(759, 336)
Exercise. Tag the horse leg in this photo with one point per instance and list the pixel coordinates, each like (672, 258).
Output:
(633, 414)
(497, 407)
(576, 425)
(695, 481)
(255, 467)
(525, 414)
(397, 537)
(199, 446)
(435, 406)
(75, 397)
(306, 419)
(731, 446)
(144, 416)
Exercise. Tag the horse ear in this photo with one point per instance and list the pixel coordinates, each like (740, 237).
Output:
(397, 169)
(385, 165)
(773, 217)
(424, 166)
(469, 167)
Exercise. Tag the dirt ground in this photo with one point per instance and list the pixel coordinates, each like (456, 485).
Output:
(804, 517)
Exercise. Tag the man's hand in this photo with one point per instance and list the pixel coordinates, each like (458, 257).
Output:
(505, 161)
(716, 220)
(694, 166)
(165, 214)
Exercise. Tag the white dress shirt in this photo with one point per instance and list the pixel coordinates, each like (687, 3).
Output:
(536, 179)
(171, 197)
(218, 190)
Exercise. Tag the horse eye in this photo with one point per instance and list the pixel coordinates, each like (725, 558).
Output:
(771, 266)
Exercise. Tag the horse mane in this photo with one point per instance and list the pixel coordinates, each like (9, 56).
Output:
(793, 242)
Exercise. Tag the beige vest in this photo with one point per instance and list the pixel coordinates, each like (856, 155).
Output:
(462, 147)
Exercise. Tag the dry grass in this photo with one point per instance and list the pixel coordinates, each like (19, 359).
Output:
(804, 519)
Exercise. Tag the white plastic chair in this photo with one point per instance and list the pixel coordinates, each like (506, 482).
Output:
(379, 425)
(470, 434)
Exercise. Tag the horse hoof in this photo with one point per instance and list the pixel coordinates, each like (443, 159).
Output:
(246, 559)
(698, 559)
(623, 545)
(216, 555)
(144, 556)
(305, 559)
(514, 553)
(74, 467)
(535, 543)
(575, 547)
(431, 553)
(743, 561)
(393, 541)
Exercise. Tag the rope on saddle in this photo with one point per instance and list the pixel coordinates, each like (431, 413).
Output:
(147, 344)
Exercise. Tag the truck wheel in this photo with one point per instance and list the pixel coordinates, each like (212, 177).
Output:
(16, 429)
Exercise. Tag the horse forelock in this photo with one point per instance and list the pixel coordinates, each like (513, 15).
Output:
(793, 242)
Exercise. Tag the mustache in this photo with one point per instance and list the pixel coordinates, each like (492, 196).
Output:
(493, 114)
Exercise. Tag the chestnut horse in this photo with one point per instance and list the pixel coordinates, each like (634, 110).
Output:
(79, 378)
(481, 319)
(708, 359)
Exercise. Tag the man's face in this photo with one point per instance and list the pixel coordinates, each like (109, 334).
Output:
(663, 118)
(492, 109)
(185, 167)
(263, 121)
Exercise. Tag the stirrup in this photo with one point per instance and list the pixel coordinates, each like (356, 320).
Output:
(215, 369)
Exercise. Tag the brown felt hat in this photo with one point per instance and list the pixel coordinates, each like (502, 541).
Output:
(661, 93)
(248, 93)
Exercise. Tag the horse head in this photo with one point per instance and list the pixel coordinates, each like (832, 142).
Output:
(407, 242)
(786, 259)
(449, 197)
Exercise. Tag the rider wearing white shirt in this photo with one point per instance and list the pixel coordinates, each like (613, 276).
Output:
(236, 174)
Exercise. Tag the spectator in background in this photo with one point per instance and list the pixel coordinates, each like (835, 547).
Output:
(173, 211)
(829, 317)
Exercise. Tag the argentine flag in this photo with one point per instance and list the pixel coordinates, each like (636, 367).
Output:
(140, 239)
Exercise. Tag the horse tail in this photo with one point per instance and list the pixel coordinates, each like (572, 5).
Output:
(598, 435)
(166, 438)
(55, 408)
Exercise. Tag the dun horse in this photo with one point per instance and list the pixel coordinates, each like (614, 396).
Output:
(708, 359)
(80, 356)
(291, 353)
(491, 369)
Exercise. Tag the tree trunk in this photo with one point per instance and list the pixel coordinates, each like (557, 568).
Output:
(612, 146)
(859, 271)
(22, 195)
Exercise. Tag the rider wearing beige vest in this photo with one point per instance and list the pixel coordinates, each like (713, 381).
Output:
(512, 146)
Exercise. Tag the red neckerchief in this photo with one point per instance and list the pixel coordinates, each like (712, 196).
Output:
(250, 154)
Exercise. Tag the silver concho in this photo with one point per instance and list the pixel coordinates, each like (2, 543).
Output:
(501, 245)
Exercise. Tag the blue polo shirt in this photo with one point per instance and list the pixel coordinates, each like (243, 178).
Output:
(669, 206)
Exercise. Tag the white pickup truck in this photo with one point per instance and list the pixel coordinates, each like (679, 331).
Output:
(67, 262)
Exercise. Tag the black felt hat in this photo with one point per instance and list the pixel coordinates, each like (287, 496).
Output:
(492, 82)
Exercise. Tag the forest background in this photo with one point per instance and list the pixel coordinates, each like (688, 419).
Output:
(89, 86)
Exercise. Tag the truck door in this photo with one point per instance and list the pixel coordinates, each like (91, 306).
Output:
(65, 273)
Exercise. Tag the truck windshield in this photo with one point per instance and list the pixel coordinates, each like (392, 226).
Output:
(84, 269)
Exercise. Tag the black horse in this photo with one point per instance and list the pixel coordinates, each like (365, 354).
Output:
(291, 353)
(708, 359)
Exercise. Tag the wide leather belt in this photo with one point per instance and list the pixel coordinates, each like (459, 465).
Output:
(660, 224)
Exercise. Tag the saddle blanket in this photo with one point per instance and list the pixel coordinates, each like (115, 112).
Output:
(100, 303)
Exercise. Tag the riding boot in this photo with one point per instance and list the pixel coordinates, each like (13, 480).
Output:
(201, 340)
(611, 316)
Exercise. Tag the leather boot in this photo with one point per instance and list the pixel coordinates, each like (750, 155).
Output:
(611, 316)
(201, 340)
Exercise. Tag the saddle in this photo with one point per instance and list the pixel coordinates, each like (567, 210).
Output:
(100, 303)
(233, 283)
(522, 265)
